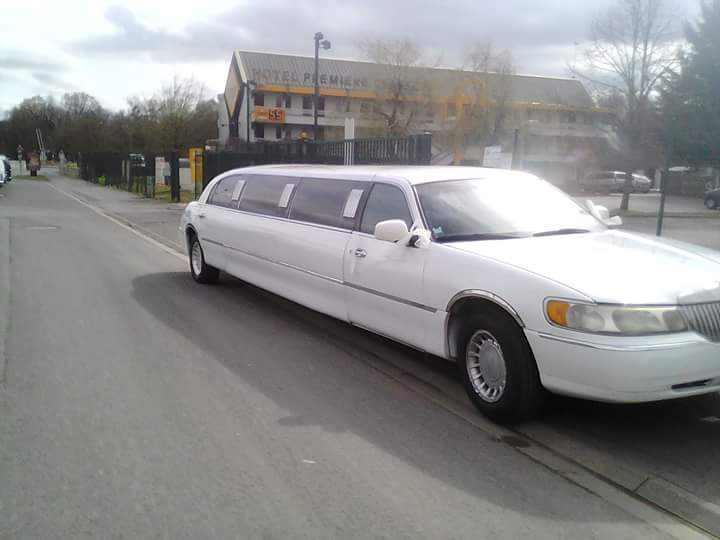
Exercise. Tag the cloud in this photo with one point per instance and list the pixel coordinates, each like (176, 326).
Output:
(16, 60)
(51, 81)
(541, 37)
(288, 26)
(133, 39)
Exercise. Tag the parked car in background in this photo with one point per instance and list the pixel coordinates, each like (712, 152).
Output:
(608, 181)
(521, 292)
(7, 167)
(712, 199)
(640, 183)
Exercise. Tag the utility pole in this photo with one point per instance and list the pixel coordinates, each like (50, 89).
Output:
(664, 178)
(249, 90)
(320, 41)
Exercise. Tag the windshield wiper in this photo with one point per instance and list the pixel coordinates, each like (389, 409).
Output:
(561, 231)
(469, 237)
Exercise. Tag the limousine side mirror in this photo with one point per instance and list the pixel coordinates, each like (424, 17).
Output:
(603, 214)
(391, 230)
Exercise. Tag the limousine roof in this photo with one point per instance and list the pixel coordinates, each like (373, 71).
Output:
(418, 174)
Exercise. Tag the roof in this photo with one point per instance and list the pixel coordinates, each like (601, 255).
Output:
(293, 70)
(412, 174)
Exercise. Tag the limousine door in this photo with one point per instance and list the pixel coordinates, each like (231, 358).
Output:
(383, 280)
(215, 221)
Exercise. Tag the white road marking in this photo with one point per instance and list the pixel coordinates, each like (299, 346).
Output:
(119, 223)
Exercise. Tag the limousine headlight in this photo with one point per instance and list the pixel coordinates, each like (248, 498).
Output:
(607, 319)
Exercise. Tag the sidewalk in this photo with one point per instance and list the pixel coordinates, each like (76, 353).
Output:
(157, 219)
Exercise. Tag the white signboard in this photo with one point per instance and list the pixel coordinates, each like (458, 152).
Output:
(496, 158)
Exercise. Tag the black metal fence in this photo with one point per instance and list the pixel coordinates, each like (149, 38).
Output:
(412, 150)
(117, 170)
(136, 173)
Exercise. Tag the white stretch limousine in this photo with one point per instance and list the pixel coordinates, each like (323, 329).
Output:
(498, 270)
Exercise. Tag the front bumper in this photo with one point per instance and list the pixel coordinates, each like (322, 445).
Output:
(627, 372)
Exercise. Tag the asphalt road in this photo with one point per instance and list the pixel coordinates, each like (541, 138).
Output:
(137, 404)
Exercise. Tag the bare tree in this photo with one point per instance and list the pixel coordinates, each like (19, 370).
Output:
(403, 92)
(489, 87)
(177, 117)
(629, 52)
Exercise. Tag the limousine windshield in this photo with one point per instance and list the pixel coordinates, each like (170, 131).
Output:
(499, 208)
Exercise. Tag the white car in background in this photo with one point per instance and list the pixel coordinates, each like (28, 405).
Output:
(614, 181)
(527, 294)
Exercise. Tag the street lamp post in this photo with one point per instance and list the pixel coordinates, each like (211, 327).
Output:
(249, 88)
(320, 41)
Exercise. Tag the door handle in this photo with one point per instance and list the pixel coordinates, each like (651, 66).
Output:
(359, 252)
(201, 215)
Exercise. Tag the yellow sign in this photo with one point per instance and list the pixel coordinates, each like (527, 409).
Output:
(270, 114)
(195, 156)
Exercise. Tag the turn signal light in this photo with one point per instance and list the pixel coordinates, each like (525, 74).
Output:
(557, 312)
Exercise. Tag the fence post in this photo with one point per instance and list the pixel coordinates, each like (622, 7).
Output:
(175, 177)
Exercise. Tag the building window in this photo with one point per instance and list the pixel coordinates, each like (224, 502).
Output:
(321, 103)
(278, 132)
(288, 101)
(259, 130)
(307, 103)
(364, 107)
(429, 111)
(451, 109)
(568, 117)
(279, 100)
(259, 99)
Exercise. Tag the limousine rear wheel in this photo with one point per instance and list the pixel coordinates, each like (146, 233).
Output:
(498, 369)
(201, 272)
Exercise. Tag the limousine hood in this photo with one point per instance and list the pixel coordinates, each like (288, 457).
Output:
(614, 266)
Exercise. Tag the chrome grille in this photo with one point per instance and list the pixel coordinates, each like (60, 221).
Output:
(704, 319)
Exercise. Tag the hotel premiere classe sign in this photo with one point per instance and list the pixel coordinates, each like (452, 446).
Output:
(328, 80)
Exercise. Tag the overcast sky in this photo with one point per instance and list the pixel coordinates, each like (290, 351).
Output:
(115, 49)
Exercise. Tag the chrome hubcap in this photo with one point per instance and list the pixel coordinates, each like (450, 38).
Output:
(486, 366)
(196, 258)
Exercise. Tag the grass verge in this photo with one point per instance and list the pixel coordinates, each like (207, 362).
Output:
(39, 177)
(162, 193)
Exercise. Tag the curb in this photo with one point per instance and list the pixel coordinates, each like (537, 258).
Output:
(644, 485)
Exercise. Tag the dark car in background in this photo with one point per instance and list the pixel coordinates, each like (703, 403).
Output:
(8, 169)
(608, 181)
(712, 199)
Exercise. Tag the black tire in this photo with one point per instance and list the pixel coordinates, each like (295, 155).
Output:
(204, 273)
(523, 397)
(710, 203)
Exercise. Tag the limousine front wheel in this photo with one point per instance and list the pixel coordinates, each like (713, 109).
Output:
(498, 369)
(201, 272)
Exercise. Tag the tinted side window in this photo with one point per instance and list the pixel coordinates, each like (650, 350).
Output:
(223, 193)
(324, 202)
(384, 202)
(263, 194)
